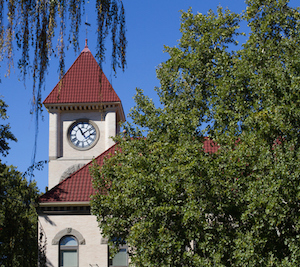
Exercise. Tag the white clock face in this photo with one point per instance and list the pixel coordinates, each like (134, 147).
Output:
(83, 134)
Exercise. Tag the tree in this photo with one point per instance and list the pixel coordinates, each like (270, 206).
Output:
(5, 133)
(35, 23)
(168, 197)
(18, 217)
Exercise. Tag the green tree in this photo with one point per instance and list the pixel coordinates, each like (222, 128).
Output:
(18, 217)
(176, 204)
(5, 133)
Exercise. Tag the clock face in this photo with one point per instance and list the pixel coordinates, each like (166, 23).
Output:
(83, 134)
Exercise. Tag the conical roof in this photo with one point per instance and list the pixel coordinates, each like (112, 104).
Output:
(84, 82)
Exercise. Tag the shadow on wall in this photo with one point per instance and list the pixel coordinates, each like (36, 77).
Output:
(48, 220)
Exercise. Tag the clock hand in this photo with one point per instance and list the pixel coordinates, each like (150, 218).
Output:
(81, 131)
(87, 130)
(86, 137)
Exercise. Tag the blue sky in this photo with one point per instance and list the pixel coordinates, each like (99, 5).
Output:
(150, 25)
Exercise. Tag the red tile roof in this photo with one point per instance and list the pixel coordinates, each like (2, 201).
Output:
(84, 82)
(78, 186)
(210, 146)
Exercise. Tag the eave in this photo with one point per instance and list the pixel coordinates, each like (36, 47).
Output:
(92, 106)
(64, 203)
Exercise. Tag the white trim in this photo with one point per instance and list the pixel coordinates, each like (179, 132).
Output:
(66, 203)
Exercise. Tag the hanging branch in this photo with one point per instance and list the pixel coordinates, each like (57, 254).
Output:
(32, 24)
(111, 19)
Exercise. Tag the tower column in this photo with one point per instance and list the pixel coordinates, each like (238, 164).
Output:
(54, 138)
(110, 128)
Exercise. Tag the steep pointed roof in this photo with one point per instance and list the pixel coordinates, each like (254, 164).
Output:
(78, 186)
(84, 82)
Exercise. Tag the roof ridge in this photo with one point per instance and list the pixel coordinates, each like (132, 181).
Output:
(74, 173)
(90, 162)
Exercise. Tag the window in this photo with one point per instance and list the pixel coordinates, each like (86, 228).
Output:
(120, 259)
(68, 252)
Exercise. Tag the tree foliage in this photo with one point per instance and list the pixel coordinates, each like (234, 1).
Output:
(36, 23)
(177, 205)
(18, 217)
(5, 133)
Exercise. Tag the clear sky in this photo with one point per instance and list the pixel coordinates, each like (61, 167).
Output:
(150, 25)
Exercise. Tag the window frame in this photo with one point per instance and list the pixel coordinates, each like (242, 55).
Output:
(62, 248)
(111, 260)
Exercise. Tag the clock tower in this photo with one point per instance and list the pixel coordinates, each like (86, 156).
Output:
(84, 115)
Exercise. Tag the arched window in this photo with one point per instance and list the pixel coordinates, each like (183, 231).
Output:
(68, 251)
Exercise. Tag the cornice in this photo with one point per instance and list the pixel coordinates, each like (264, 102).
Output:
(58, 107)
(101, 107)
(62, 203)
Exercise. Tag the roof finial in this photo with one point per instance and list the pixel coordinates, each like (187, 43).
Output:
(86, 31)
(86, 49)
